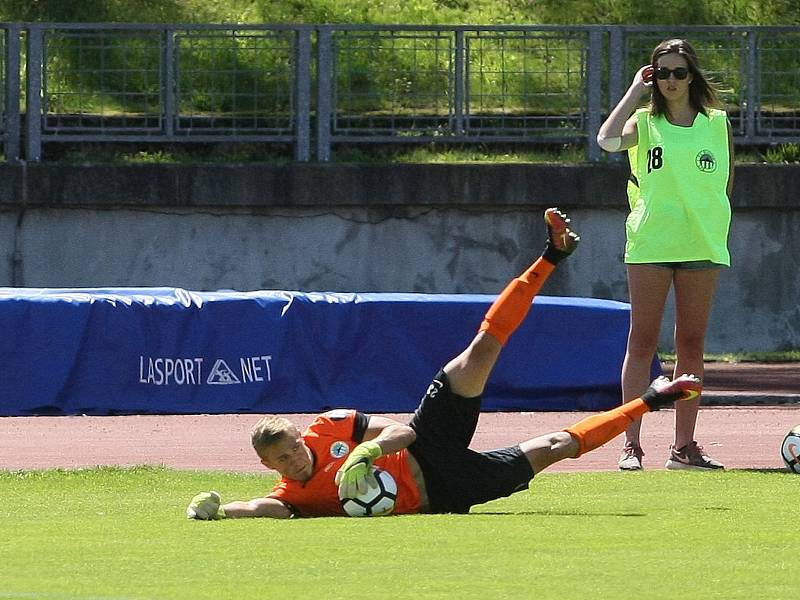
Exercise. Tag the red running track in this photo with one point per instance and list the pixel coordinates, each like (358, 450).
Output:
(740, 437)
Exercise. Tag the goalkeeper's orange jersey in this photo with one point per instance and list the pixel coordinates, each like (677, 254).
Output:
(330, 437)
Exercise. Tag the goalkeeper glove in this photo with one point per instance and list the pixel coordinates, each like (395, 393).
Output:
(205, 506)
(355, 476)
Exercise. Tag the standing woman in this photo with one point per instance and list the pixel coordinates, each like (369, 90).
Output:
(681, 153)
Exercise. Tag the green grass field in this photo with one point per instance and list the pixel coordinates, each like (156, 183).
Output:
(122, 533)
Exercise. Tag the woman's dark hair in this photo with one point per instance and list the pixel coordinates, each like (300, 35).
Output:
(702, 93)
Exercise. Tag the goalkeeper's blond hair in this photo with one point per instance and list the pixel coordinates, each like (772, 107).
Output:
(268, 431)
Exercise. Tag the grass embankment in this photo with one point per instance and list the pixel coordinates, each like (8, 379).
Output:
(432, 12)
(79, 93)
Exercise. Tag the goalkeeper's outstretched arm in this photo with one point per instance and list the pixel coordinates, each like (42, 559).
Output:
(258, 507)
(207, 506)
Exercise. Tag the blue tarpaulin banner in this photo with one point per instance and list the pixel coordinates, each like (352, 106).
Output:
(172, 351)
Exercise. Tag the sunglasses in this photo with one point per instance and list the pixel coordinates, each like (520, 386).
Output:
(664, 73)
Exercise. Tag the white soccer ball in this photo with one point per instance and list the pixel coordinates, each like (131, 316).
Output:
(790, 449)
(376, 501)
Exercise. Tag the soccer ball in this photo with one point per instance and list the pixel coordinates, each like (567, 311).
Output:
(376, 501)
(790, 449)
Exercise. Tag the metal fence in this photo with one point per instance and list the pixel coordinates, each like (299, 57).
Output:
(158, 83)
(374, 84)
(459, 84)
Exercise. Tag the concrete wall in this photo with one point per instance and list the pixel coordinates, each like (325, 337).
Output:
(420, 228)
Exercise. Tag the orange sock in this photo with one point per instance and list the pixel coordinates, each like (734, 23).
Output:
(514, 302)
(592, 432)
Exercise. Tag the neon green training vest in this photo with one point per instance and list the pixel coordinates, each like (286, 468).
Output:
(680, 209)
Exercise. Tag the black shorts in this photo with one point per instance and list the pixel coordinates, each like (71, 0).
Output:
(456, 477)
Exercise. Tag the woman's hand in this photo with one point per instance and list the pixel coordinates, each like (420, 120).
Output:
(643, 80)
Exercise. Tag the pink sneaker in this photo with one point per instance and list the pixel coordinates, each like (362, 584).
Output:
(691, 456)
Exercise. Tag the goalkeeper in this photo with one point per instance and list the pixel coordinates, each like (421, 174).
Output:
(429, 458)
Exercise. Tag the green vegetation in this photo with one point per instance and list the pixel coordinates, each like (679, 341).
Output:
(172, 154)
(736, 357)
(505, 12)
(259, 153)
(122, 533)
(378, 154)
(785, 153)
(442, 153)
(402, 81)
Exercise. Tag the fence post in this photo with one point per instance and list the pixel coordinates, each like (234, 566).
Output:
(617, 69)
(753, 92)
(459, 76)
(12, 124)
(594, 92)
(324, 88)
(169, 85)
(616, 66)
(302, 91)
(33, 111)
